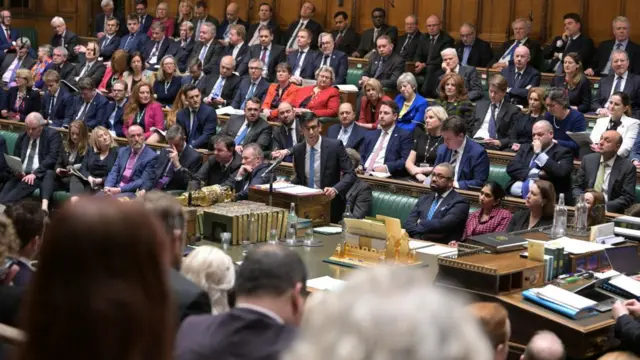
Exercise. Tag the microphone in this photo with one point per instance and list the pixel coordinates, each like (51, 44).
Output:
(191, 176)
(271, 168)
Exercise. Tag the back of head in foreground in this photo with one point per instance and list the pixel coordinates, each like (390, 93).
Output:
(544, 345)
(101, 289)
(388, 314)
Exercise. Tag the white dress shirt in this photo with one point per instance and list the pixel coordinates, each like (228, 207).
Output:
(381, 155)
(345, 133)
(236, 49)
(508, 55)
(316, 164)
(301, 62)
(625, 76)
(483, 132)
(256, 35)
(607, 177)
(458, 160)
(7, 74)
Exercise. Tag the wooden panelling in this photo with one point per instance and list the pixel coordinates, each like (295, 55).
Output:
(428, 8)
(364, 13)
(631, 10)
(557, 9)
(597, 11)
(287, 11)
(396, 14)
(529, 9)
(459, 12)
(495, 25)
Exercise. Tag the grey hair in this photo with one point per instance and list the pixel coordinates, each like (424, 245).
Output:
(354, 156)
(449, 51)
(437, 111)
(327, 69)
(174, 132)
(57, 20)
(323, 35)
(544, 345)
(106, 3)
(527, 23)
(229, 57)
(46, 47)
(189, 25)
(399, 301)
(546, 123)
(407, 78)
(469, 25)
(62, 51)
(24, 42)
(620, 51)
(256, 149)
(558, 95)
(257, 61)
(622, 19)
(37, 117)
(211, 26)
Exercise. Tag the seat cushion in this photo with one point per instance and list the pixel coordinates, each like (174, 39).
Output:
(498, 173)
(10, 138)
(392, 205)
(353, 76)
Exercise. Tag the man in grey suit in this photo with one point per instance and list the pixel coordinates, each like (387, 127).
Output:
(608, 173)
(451, 63)
(360, 196)
(249, 128)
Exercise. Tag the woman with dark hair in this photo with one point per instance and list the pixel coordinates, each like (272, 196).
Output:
(596, 205)
(112, 301)
(115, 71)
(540, 203)
(563, 118)
(370, 104)
(136, 72)
(143, 110)
(74, 150)
(453, 97)
(521, 130)
(576, 84)
(620, 120)
(282, 91)
(491, 217)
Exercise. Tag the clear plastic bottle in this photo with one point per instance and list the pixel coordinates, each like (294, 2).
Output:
(559, 228)
(292, 224)
(346, 215)
(582, 216)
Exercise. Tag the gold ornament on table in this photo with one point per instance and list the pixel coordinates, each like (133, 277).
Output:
(208, 195)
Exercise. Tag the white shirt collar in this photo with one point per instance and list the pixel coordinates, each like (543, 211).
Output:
(350, 127)
(317, 146)
(610, 161)
(57, 92)
(457, 69)
(523, 40)
(461, 148)
(121, 103)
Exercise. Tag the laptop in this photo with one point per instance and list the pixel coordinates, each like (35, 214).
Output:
(624, 259)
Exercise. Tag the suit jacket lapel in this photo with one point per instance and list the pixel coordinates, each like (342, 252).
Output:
(615, 169)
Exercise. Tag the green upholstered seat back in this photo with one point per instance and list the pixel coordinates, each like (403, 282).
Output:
(10, 138)
(498, 173)
(392, 205)
(31, 34)
(353, 76)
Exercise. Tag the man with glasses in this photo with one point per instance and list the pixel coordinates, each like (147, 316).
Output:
(68, 71)
(92, 67)
(249, 128)
(472, 51)
(220, 89)
(441, 215)
(337, 60)
(136, 39)
(253, 85)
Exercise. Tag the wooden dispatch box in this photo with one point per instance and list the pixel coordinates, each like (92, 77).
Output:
(316, 207)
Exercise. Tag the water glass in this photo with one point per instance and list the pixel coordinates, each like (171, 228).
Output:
(308, 237)
(291, 235)
(273, 236)
(225, 240)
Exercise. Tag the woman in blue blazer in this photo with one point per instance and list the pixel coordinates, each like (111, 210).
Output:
(412, 105)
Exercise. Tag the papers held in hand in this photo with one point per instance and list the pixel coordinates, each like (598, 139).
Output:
(160, 132)
(581, 138)
(228, 110)
(75, 171)
(14, 163)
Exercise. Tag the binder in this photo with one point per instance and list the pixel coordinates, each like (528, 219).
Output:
(562, 310)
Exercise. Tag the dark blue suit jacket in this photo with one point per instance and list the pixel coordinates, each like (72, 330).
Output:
(339, 62)
(415, 112)
(107, 48)
(398, 149)
(62, 110)
(146, 24)
(137, 43)
(254, 178)
(474, 165)
(94, 116)
(167, 97)
(189, 159)
(4, 42)
(447, 223)
(118, 121)
(308, 70)
(225, 24)
(356, 138)
(530, 78)
(243, 89)
(143, 170)
(24, 275)
(206, 122)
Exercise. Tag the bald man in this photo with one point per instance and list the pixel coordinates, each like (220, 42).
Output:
(608, 173)
(472, 50)
(520, 76)
(219, 89)
(232, 18)
(544, 345)
(348, 131)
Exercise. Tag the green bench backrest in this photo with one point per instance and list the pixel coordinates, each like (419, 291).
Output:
(392, 205)
(353, 76)
(498, 173)
(10, 138)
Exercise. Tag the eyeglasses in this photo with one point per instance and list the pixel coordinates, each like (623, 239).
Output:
(441, 177)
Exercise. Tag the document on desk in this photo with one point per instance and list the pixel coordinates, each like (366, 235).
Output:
(325, 283)
(347, 88)
(368, 228)
(382, 175)
(627, 284)
(564, 297)
(438, 250)
(327, 230)
(575, 246)
(300, 190)
(276, 186)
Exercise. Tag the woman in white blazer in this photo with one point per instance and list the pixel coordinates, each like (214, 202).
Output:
(619, 107)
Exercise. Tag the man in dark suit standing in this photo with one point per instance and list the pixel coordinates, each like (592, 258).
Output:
(7, 35)
(369, 38)
(521, 31)
(173, 161)
(92, 67)
(231, 18)
(220, 89)
(68, 71)
(606, 172)
(196, 76)
(38, 149)
(251, 86)
(225, 161)
(198, 120)
(520, 77)
(290, 133)
(572, 40)
(473, 51)
(428, 57)
(542, 159)
(451, 63)
(603, 60)
(136, 39)
(265, 15)
(337, 60)
(14, 61)
(183, 47)
(270, 293)
(619, 79)
(303, 61)
(110, 41)
(440, 216)
(158, 47)
(469, 160)
(201, 16)
(386, 149)
(114, 110)
(64, 38)
(347, 39)
(305, 21)
(269, 52)
(144, 19)
(251, 171)
(409, 42)
(249, 128)
(494, 118)
(384, 65)
(207, 50)
(348, 132)
(57, 105)
(321, 163)
(90, 106)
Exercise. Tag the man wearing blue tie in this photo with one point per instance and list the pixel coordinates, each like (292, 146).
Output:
(253, 85)
(249, 128)
(333, 58)
(219, 90)
(136, 39)
(199, 121)
(115, 108)
(303, 60)
(57, 106)
(441, 215)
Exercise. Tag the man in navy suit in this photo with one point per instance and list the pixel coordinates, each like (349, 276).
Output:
(144, 19)
(521, 30)
(473, 51)
(619, 79)
(102, 19)
(68, 71)
(169, 173)
(134, 168)
(199, 121)
(369, 38)
(135, 40)
(57, 106)
(348, 132)
(384, 65)
(236, 47)
(114, 111)
(110, 41)
(38, 148)
(28, 221)
(440, 216)
(409, 42)
(520, 77)
(265, 16)
(333, 58)
(64, 38)
(469, 160)
(156, 49)
(602, 61)
(92, 67)
(7, 35)
(290, 133)
(196, 76)
(232, 18)
(270, 291)
(90, 106)
(251, 86)
(347, 39)
(303, 60)
(270, 53)
(250, 172)
(572, 40)
(386, 149)
(307, 10)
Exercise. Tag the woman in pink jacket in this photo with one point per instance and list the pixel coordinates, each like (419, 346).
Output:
(143, 110)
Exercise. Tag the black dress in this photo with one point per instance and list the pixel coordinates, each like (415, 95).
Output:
(579, 96)
(520, 221)
(426, 148)
(95, 167)
(52, 182)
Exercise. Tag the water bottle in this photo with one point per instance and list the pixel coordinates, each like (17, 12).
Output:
(346, 215)
(582, 216)
(292, 223)
(559, 228)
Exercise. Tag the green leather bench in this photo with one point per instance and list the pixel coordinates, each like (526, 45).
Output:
(498, 173)
(393, 205)
(354, 75)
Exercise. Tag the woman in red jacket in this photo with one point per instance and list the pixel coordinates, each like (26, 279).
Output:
(370, 104)
(143, 110)
(322, 99)
(282, 91)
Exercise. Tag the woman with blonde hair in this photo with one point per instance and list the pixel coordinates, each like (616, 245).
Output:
(425, 144)
(96, 165)
(212, 270)
(370, 104)
(22, 99)
(168, 81)
(162, 16)
(185, 13)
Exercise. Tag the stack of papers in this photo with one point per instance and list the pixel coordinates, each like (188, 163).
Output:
(328, 230)
(228, 110)
(325, 283)
(574, 246)
(561, 301)
(299, 190)
(627, 284)
(438, 250)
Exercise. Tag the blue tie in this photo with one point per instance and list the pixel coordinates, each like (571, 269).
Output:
(126, 44)
(312, 161)
(465, 54)
(242, 135)
(434, 206)
(218, 89)
(512, 50)
(492, 122)
(525, 183)
(252, 89)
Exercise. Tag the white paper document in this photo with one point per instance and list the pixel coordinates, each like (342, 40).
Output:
(276, 186)
(581, 138)
(626, 283)
(438, 250)
(564, 297)
(300, 190)
(347, 88)
(325, 283)
(14, 163)
(327, 230)
(228, 110)
(377, 174)
(574, 246)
